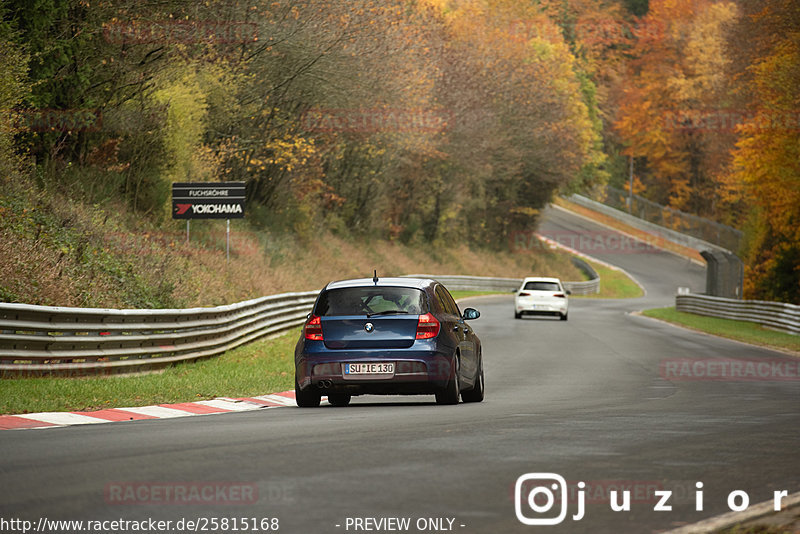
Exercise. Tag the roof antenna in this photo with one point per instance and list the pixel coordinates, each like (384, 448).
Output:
(375, 276)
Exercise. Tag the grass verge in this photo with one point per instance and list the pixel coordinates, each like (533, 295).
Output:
(613, 284)
(261, 367)
(739, 330)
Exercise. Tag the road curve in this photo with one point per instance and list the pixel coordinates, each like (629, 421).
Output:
(584, 399)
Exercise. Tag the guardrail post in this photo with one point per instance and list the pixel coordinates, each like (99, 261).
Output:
(735, 276)
(724, 274)
(712, 272)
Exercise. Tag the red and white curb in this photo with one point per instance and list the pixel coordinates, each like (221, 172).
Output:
(161, 411)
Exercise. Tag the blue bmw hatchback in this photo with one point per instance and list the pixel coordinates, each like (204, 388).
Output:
(389, 336)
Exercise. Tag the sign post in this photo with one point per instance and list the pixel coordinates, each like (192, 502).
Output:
(208, 200)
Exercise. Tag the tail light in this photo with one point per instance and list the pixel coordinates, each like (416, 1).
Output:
(313, 328)
(560, 295)
(523, 294)
(427, 327)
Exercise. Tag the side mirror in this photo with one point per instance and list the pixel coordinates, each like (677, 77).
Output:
(471, 313)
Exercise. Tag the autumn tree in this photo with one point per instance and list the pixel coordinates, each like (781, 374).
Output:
(765, 174)
(13, 89)
(676, 84)
(521, 129)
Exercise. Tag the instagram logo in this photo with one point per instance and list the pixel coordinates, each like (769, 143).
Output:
(536, 496)
(534, 492)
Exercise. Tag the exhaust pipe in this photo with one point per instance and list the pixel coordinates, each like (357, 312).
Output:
(324, 384)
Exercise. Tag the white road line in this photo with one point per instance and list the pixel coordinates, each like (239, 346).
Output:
(779, 350)
(158, 411)
(732, 518)
(63, 418)
(229, 405)
(277, 399)
(594, 259)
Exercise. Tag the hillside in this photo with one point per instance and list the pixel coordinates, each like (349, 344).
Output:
(59, 250)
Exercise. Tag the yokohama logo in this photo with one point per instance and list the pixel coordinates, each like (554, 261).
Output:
(209, 208)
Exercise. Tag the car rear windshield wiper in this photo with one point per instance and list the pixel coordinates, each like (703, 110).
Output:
(386, 312)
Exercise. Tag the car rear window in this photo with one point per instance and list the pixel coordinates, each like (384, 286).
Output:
(371, 300)
(542, 286)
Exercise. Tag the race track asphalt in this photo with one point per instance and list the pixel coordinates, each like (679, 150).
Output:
(585, 399)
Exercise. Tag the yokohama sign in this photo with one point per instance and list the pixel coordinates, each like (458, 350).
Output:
(208, 200)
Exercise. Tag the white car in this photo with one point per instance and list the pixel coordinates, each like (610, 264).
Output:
(541, 296)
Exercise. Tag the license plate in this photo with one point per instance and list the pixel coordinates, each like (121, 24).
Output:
(369, 368)
(540, 307)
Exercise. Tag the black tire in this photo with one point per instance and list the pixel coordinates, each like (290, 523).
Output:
(563, 316)
(476, 393)
(339, 399)
(307, 398)
(517, 315)
(450, 394)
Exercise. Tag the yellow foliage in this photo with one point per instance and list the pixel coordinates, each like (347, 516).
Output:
(186, 111)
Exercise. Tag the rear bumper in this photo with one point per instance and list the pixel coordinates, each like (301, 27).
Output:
(540, 312)
(417, 372)
(542, 309)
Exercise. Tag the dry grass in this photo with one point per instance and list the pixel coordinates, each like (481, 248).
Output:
(57, 251)
(29, 269)
(296, 266)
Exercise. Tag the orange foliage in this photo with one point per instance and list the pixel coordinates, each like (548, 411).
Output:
(767, 156)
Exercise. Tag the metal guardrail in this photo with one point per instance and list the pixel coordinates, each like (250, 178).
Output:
(774, 315)
(585, 287)
(48, 340)
(720, 234)
(725, 272)
(39, 340)
(646, 226)
(483, 283)
(472, 283)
